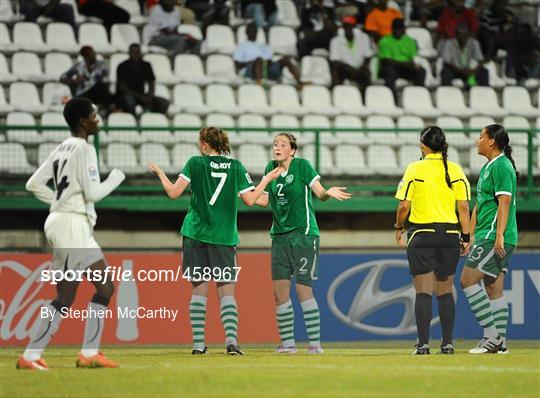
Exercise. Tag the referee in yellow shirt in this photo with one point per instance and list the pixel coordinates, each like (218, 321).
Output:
(430, 189)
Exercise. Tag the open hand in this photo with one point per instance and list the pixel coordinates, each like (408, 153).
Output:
(154, 168)
(275, 173)
(338, 193)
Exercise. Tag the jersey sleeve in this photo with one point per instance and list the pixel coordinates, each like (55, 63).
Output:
(187, 171)
(244, 180)
(309, 174)
(461, 186)
(37, 184)
(405, 190)
(503, 177)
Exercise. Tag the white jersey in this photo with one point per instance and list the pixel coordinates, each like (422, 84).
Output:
(73, 167)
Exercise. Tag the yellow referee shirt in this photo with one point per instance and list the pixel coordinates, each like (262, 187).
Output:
(424, 184)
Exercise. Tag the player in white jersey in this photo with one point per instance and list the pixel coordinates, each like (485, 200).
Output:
(73, 168)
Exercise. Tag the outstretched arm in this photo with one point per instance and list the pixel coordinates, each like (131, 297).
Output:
(93, 189)
(174, 191)
(254, 197)
(332, 192)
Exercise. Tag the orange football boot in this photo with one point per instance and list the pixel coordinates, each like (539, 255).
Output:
(96, 361)
(38, 364)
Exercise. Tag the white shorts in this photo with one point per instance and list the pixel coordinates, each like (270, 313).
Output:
(70, 236)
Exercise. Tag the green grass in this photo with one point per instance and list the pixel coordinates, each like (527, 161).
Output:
(345, 370)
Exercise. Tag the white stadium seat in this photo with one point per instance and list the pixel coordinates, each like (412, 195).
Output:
(60, 37)
(79, 18)
(95, 35)
(282, 40)
(253, 137)
(220, 99)
(350, 160)
(188, 98)
(348, 100)
(189, 69)
(450, 101)
(423, 40)
(381, 137)
(132, 7)
(27, 37)
(5, 38)
(350, 137)
(284, 122)
(408, 154)
(287, 14)
(220, 39)
(30, 136)
(516, 101)
(121, 119)
(187, 120)
(316, 70)
(156, 153)
(380, 100)
(476, 161)
(24, 97)
(5, 106)
(520, 155)
(55, 64)
(417, 101)
(252, 99)
(5, 75)
(44, 150)
(254, 157)
(220, 69)
(7, 13)
(123, 157)
(55, 96)
(454, 139)
(54, 119)
(223, 121)
(415, 123)
(326, 163)
(495, 80)
(320, 122)
(484, 102)
(27, 67)
(181, 154)
(149, 120)
(192, 30)
(284, 98)
(316, 99)
(382, 160)
(123, 35)
(116, 59)
(162, 68)
(13, 159)
(514, 123)
(478, 123)
(241, 35)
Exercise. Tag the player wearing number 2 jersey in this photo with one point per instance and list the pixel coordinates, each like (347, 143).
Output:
(295, 239)
(73, 168)
(210, 231)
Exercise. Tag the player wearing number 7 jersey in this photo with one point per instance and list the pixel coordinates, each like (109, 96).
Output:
(73, 168)
(210, 230)
(295, 239)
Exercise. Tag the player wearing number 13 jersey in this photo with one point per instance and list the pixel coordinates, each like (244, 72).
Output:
(210, 231)
(295, 239)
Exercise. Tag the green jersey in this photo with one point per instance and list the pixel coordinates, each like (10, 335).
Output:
(290, 198)
(216, 182)
(497, 177)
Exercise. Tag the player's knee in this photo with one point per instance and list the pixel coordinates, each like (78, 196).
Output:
(106, 290)
(464, 282)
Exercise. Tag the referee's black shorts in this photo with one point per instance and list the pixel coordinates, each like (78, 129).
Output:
(433, 248)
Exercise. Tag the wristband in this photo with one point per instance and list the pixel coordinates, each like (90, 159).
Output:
(398, 228)
(465, 238)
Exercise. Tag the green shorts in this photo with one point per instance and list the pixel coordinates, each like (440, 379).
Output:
(295, 255)
(203, 262)
(483, 257)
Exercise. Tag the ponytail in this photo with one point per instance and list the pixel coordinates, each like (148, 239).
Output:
(434, 138)
(216, 138)
(508, 153)
(445, 163)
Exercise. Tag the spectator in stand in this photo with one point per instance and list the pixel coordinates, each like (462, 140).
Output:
(522, 48)
(494, 21)
(89, 78)
(379, 20)
(317, 28)
(463, 60)
(350, 54)
(104, 10)
(187, 15)
(452, 16)
(262, 12)
(32, 9)
(163, 30)
(426, 10)
(133, 75)
(396, 57)
(254, 60)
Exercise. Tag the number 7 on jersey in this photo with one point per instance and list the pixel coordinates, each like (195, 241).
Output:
(222, 177)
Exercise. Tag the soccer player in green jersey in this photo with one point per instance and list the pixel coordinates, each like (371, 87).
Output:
(494, 234)
(295, 239)
(210, 231)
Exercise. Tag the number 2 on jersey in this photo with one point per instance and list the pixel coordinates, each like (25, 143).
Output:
(63, 184)
(222, 177)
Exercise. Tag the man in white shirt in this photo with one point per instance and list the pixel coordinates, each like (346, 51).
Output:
(254, 60)
(350, 55)
(73, 168)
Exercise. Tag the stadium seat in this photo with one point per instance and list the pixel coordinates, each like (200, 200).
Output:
(44, 150)
(5, 38)
(189, 68)
(520, 154)
(316, 99)
(150, 119)
(450, 101)
(55, 95)
(516, 101)
(123, 35)
(13, 159)
(381, 137)
(495, 80)
(181, 153)
(27, 67)
(162, 69)
(478, 123)
(284, 122)
(350, 160)
(454, 139)
(220, 69)
(316, 70)
(350, 137)
(220, 39)
(187, 120)
(453, 155)
(284, 98)
(79, 18)
(476, 161)
(55, 64)
(54, 119)
(347, 99)
(282, 40)
(316, 121)
(380, 100)
(431, 79)
(30, 136)
(120, 119)
(252, 137)
(123, 157)
(408, 154)
(223, 121)
(381, 159)
(115, 60)
(326, 164)
(162, 91)
(5, 75)
(27, 37)
(415, 123)
(5, 106)
(241, 35)
(514, 123)
(417, 101)
(132, 7)
(254, 157)
(220, 99)
(24, 97)
(422, 36)
(95, 35)
(7, 13)
(252, 99)
(287, 14)
(188, 98)
(484, 102)
(60, 37)
(192, 30)
(156, 153)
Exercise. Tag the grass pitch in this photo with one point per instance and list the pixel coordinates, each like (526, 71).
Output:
(345, 370)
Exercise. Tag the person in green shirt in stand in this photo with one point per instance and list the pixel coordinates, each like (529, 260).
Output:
(210, 230)
(396, 58)
(494, 237)
(295, 239)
